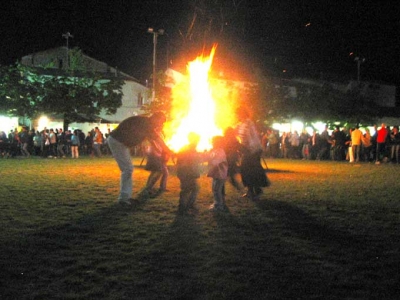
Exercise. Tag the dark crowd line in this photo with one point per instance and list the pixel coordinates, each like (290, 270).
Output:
(342, 144)
(53, 143)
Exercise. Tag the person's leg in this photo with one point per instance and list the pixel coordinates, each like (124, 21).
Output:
(358, 153)
(147, 191)
(151, 180)
(218, 187)
(164, 177)
(245, 173)
(184, 194)
(233, 180)
(377, 155)
(257, 191)
(53, 149)
(351, 154)
(60, 150)
(123, 158)
(216, 192)
(370, 154)
(97, 149)
(391, 153)
(194, 191)
(250, 192)
(25, 149)
(336, 153)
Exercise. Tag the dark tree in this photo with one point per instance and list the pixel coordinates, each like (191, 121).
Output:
(18, 92)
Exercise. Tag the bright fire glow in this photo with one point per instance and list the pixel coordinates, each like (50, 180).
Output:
(194, 108)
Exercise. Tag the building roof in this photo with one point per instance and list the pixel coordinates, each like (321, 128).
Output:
(52, 62)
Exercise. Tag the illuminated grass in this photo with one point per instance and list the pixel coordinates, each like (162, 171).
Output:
(324, 230)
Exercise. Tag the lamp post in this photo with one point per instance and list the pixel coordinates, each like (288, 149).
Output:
(155, 33)
(67, 36)
(359, 61)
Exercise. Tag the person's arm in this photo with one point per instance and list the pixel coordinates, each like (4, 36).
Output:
(156, 137)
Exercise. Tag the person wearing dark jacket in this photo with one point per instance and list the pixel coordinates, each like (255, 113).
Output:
(130, 133)
(395, 144)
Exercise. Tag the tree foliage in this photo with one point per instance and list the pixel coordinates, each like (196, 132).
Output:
(18, 94)
(275, 100)
(325, 102)
(28, 92)
(74, 96)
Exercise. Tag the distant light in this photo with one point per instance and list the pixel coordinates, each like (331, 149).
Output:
(371, 130)
(319, 126)
(43, 122)
(160, 31)
(281, 127)
(309, 130)
(308, 24)
(8, 123)
(284, 70)
(297, 126)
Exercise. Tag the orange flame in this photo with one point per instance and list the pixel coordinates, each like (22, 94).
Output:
(195, 110)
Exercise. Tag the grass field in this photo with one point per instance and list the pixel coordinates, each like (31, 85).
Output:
(323, 230)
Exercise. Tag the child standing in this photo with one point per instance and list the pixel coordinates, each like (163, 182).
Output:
(188, 171)
(157, 160)
(218, 171)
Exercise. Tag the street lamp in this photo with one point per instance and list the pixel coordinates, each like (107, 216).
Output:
(67, 36)
(155, 35)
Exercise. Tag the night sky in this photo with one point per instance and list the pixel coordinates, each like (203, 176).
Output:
(306, 38)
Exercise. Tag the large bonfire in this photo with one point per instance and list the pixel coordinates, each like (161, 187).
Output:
(199, 105)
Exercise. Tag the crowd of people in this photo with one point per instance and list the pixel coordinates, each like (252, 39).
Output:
(53, 143)
(235, 156)
(352, 144)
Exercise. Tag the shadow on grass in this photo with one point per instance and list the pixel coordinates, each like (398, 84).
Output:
(174, 266)
(58, 261)
(117, 252)
(319, 258)
(275, 251)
